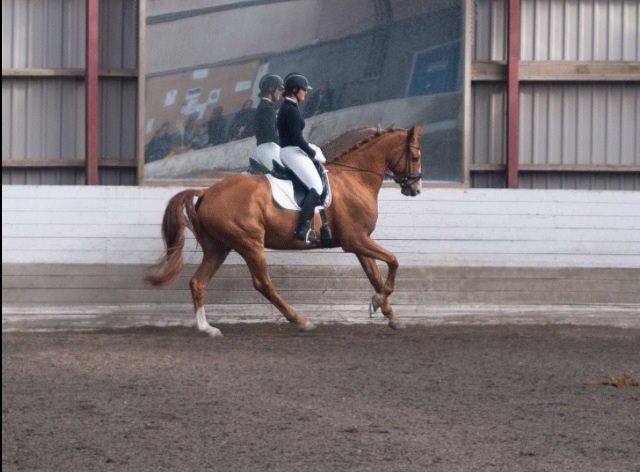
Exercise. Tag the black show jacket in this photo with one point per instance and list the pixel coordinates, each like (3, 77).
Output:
(290, 126)
(266, 131)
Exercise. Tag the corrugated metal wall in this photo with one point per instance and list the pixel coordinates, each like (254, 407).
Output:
(589, 123)
(489, 30)
(118, 50)
(43, 117)
(556, 30)
(580, 30)
(118, 34)
(43, 34)
(561, 123)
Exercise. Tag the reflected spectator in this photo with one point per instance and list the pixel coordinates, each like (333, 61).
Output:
(320, 100)
(189, 129)
(216, 127)
(242, 124)
(199, 137)
(161, 144)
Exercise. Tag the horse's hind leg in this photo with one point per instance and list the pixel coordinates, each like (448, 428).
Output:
(262, 282)
(211, 262)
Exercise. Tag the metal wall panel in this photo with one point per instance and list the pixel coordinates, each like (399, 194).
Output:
(561, 180)
(488, 180)
(488, 107)
(118, 34)
(552, 30)
(560, 123)
(43, 34)
(118, 50)
(67, 176)
(581, 181)
(118, 118)
(587, 124)
(42, 118)
(580, 30)
(117, 176)
(490, 30)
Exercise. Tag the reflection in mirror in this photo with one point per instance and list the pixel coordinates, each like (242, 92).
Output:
(370, 63)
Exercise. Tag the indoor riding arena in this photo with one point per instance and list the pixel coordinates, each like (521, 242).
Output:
(476, 306)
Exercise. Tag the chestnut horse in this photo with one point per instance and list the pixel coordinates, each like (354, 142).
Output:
(239, 214)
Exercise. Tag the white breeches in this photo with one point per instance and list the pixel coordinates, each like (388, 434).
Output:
(297, 160)
(266, 153)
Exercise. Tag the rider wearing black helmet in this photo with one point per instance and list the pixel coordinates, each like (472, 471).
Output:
(271, 87)
(297, 154)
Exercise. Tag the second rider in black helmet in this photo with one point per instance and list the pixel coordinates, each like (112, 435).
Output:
(268, 150)
(297, 154)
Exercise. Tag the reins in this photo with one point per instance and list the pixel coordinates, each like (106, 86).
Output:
(357, 168)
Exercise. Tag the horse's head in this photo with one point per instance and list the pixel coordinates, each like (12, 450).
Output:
(405, 163)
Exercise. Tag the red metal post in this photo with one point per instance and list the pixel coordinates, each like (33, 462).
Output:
(91, 95)
(513, 92)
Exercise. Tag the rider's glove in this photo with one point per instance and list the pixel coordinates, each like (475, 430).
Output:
(319, 157)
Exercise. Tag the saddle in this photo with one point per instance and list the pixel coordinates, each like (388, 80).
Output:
(288, 191)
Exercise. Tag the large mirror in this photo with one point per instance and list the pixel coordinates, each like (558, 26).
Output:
(386, 62)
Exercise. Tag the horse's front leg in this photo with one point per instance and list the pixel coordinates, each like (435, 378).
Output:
(373, 273)
(367, 250)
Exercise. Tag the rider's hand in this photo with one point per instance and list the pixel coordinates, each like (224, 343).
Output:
(320, 158)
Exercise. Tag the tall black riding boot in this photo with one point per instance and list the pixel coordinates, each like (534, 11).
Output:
(304, 231)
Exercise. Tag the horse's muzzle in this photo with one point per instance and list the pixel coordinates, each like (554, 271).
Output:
(409, 191)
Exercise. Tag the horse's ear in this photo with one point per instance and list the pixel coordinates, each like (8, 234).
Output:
(414, 133)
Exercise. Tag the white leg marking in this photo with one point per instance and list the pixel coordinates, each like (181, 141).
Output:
(203, 324)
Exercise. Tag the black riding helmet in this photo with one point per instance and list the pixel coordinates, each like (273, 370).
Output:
(270, 82)
(294, 81)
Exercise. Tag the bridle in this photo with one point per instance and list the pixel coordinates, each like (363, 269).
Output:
(406, 180)
(409, 178)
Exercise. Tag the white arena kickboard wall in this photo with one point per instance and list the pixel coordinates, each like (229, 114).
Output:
(74, 257)
(440, 227)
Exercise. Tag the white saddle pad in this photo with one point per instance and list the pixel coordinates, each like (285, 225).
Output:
(282, 193)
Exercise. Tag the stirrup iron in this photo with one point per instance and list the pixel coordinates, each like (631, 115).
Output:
(308, 236)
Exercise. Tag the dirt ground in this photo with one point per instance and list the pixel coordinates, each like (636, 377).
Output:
(357, 398)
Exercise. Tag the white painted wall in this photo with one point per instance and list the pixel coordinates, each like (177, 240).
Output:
(480, 227)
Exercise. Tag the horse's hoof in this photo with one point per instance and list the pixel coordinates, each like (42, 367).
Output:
(306, 327)
(211, 331)
(374, 305)
(397, 325)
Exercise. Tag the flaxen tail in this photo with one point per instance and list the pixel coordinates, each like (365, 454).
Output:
(180, 212)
